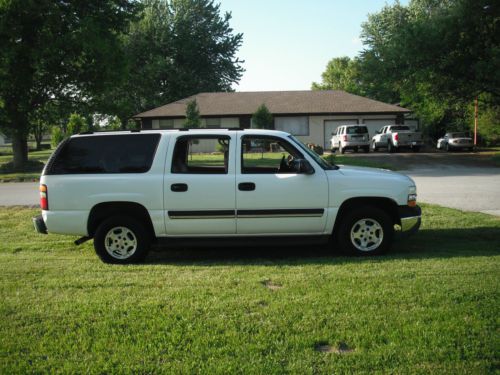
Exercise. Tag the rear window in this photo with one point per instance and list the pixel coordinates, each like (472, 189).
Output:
(399, 128)
(357, 130)
(130, 153)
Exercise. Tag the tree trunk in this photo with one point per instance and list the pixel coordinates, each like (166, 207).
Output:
(19, 150)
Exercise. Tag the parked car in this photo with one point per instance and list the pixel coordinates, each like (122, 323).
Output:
(127, 190)
(350, 137)
(395, 137)
(455, 141)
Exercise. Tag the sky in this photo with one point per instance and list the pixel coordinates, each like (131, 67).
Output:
(287, 43)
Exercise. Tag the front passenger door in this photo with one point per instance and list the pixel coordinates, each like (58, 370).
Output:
(270, 197)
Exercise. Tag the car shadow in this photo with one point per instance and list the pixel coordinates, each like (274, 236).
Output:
(426, 244)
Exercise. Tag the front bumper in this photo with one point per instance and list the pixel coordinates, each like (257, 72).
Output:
(411, 218)
(39, 224)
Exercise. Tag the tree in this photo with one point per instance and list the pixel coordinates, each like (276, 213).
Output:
(63, 51)
(262, 118)
(76, 124)
(192, 115)
(174, 49)
(342, 73)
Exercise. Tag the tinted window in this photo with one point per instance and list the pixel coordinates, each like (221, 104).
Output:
(130, 153)
(399, 128)
(357, 130)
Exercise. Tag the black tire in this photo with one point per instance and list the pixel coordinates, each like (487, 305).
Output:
(366, 149)
(361, 217)
(415, 149)
(374, 147)
(129, 232)
(447, 147)
(341, 149)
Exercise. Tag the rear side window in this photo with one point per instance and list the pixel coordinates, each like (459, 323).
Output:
(127, 153)
(357, 130)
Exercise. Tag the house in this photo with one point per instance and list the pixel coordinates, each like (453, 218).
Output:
(3, 140)
(310, 115)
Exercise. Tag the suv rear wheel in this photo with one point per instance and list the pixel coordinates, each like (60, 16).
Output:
(121, 240)
(366, 231)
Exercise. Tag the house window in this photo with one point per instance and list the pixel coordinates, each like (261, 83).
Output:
(213, 123)
(297, 125)
(166, 124)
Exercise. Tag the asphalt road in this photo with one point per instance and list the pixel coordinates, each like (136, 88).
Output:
(457, 180)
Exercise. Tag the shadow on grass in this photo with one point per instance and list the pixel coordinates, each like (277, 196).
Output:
(426, 244)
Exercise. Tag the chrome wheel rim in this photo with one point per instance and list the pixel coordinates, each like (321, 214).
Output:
(367, 234)
(120, 242)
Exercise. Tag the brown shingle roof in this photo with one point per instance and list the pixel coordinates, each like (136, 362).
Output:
(278, 102)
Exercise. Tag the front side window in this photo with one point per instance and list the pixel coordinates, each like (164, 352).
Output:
(201, 155)
(262, 154)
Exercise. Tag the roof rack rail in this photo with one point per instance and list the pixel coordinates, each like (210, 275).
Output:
(188, 129)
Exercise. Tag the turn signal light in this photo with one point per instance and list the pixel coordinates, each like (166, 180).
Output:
(44, 199)
(412, 200)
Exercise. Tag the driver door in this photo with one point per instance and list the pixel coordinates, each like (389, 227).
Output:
(270, 197)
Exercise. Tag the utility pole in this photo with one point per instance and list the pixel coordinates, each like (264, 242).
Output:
(475, 121)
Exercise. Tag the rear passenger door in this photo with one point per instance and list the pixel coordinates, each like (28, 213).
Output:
(199, 185)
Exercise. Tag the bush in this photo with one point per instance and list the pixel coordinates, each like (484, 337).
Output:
(57, 136)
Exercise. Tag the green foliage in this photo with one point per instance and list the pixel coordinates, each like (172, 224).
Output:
(57, 136)
(174, 49)
(193, 119)
(262, 118)
(433, 57)
(76, 124)
(342, 73)
(55, 51)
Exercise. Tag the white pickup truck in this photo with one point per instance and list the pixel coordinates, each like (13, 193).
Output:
(394, 137)
(127, 190)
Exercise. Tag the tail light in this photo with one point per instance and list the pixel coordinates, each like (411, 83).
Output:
(396, 136)
(344, 138)
(44, 199)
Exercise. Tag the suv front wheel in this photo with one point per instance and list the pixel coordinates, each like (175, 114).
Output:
(121, 240)
(366, 231)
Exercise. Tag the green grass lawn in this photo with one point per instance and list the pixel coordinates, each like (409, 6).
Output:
(430, 306)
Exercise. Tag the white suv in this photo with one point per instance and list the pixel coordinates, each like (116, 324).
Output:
(353, 137)
(127, 190)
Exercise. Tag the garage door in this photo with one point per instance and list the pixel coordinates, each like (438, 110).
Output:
(331, 126)
(374, 125)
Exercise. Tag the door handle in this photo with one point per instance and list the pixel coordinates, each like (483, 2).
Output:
(178, 188)
(246, 186)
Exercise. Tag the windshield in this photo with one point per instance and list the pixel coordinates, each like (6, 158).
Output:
(318, 159)
(357, 130)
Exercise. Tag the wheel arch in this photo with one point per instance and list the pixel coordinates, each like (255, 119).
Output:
(385, 204)
(104, 210)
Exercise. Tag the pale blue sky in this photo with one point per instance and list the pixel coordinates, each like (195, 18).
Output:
(287, 43)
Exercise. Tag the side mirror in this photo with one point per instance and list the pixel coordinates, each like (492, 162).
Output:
(302, 166)
(377, 132)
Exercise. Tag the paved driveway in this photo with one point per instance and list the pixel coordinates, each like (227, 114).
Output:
(19, 193)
